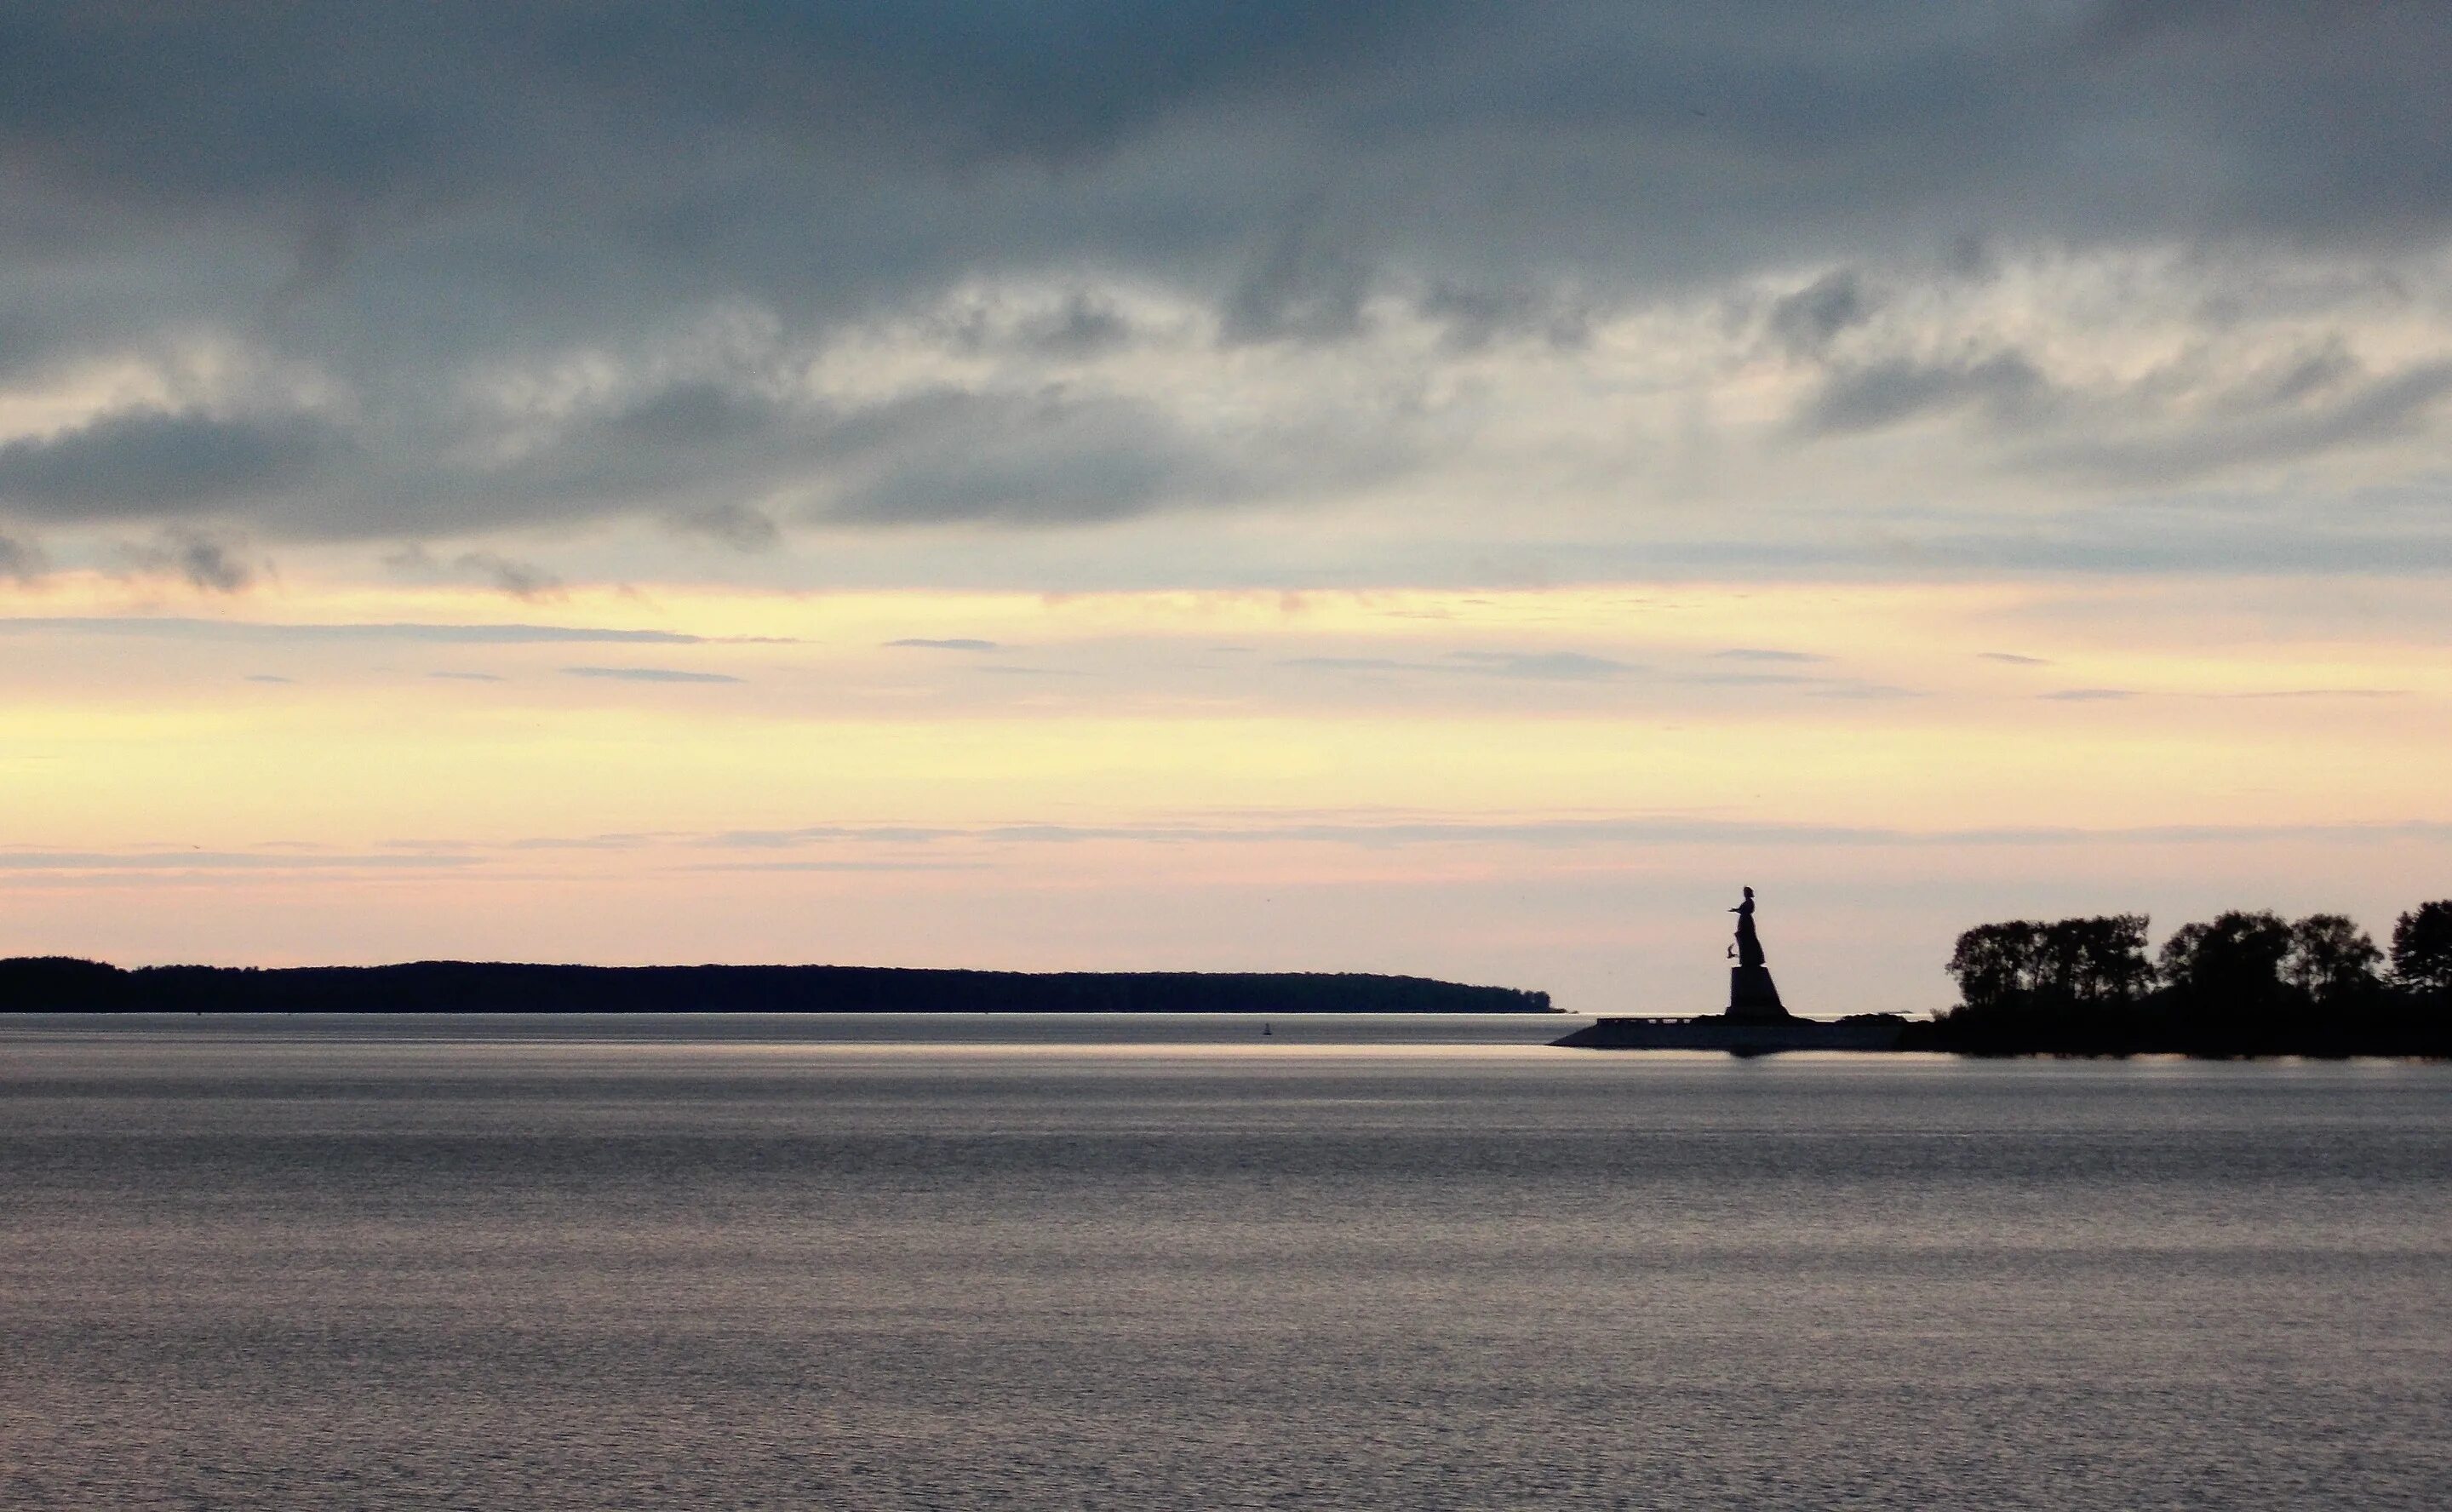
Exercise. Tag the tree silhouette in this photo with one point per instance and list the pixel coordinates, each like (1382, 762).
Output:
(2233, 962)
(2066, 965)
(1995, 965)
(2422, 946)
(2331, 960)
(2096, 961)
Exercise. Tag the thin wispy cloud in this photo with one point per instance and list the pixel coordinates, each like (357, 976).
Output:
(1363, 830)
(646, 675)
(267, 859)
(173, 628)
(1530, 666)
(1359, 664)
(1544, 666)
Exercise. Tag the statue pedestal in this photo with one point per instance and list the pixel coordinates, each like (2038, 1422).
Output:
(1753, 999)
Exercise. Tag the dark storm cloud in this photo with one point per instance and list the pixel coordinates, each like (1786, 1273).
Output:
(1084, 326)
(157, 463)
(401, 196)
(2004, 384)
(1806, 321)
(20, 560)
(723, 463)
(952, 457)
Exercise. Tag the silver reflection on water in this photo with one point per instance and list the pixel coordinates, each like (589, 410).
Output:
(413, 1263)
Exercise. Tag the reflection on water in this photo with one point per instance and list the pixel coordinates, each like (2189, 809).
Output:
(299, 1263)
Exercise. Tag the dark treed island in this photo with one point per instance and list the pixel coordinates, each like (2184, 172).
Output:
(2243, 983)
(61, 984)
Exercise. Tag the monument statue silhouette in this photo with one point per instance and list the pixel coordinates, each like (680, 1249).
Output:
(1751, 995)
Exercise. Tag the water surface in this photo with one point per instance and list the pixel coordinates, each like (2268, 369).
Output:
(1159, 1263)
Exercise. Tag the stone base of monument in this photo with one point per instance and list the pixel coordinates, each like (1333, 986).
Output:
(1752, 996)
(1756, 1024)
(1738, 1036)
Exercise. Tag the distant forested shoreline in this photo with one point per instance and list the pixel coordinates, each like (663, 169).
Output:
(2242, 983)
(66, 985)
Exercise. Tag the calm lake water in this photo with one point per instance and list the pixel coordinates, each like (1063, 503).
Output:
(1130, 1263)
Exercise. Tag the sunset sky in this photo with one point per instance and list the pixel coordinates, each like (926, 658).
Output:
(1415, 487)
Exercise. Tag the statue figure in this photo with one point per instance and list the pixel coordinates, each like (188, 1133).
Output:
(1747, 951)
(1752, 996)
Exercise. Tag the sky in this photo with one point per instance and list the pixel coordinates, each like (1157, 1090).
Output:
(1417, 487)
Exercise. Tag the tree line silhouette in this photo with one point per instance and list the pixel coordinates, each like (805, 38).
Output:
(65, 984)
(2242, 983)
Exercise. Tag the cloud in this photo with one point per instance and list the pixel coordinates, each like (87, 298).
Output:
(270, 859)
(521, 579)
(1754, 680)
(1307, 285)
(198, 560)
(467, 676)
(955, 643)
(1477, 318)
(1867, 692)
(733, 524)
(176, 628)
(20, 560)
(149, 464)
(1084, 326)
(646, 675)
(2011, 658)
(1530, 666)
(1544, 666)
(707, 269)
(1377, 829)
(949, 457)
(1359, 664)
(1808, 320)
(266, 676)
(1756, 654)
(2089, 694)
(2290, 420)
(2002, 384)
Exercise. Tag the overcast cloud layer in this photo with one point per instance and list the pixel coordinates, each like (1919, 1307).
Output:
(2095, 281)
